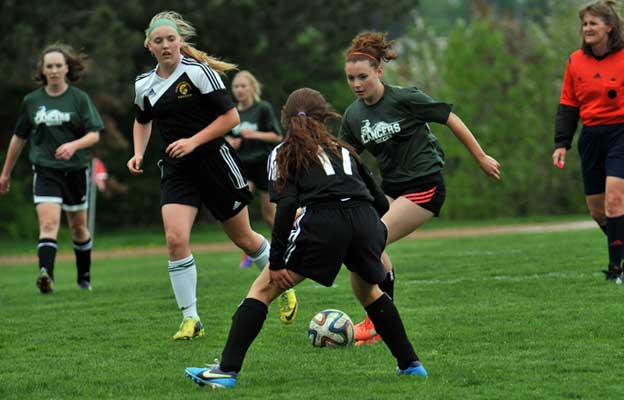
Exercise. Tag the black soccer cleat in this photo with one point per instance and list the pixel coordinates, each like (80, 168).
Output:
(45, 283)
(613, 273)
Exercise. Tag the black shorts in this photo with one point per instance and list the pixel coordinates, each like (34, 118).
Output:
(70, 189)
(428, 191)
(215, 181)
(326, 237)
(256, 172)
(602, 154)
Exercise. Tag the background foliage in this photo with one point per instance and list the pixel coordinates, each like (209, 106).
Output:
(500, 63)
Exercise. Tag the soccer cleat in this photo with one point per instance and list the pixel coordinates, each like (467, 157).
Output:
(245, 262)
(212, 377)
(189, 328)
(84, 285)
(288, 306)
(365, 330)
(415, 368)
(45, 282)
(372, 340)
(613, 273)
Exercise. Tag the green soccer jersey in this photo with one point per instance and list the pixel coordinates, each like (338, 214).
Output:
(259, 117)
(395, 130)
(50, 121)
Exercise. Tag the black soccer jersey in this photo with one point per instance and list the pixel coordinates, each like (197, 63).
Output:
(333, 179)
(190, 99)
(330, 183)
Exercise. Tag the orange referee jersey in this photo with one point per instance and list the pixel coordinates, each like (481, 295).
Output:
(596, 87)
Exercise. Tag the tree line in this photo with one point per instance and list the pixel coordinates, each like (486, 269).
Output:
(502, 74)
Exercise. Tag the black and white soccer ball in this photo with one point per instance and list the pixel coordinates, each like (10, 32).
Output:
(331, 328)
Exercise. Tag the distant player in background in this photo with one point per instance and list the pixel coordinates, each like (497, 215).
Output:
(253, 139)
(592, 90)
(61, 123)
(392, 123)
(339, 222)
(185, 98)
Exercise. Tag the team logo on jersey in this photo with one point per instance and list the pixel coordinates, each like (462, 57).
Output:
(52, 117)
(244, 125)
(183, 90)
(380, 132)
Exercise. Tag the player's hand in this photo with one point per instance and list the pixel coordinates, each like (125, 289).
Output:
(4, 184)
(247, 133)
(559, 156)
(490, 166)
(234, 142)
(282, 279)
(65, 151)
(180, 148)
(135, 165)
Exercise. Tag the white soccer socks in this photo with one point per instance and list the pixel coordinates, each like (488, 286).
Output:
(183, 274)
(261, 256)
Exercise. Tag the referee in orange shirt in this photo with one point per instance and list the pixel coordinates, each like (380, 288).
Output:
(593, 90)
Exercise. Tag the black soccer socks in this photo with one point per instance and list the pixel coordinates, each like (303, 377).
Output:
(46, 251)
(389, 326)
(615, 236)
(247, 322)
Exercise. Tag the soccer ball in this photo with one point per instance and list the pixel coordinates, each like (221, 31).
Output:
(331, 328)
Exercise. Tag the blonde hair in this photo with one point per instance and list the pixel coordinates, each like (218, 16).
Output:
(256, 86)
(187, 31)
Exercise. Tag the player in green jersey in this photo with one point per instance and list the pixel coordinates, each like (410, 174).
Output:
(61, 123)
(392, 124)
(255, 136)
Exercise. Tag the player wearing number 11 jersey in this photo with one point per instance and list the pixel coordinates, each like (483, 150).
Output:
(339, 223)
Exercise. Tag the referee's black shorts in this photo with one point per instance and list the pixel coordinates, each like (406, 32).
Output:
(215, 181)
(602, 154)
(326, 236)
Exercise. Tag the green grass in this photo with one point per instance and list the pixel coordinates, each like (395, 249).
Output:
(524, 316)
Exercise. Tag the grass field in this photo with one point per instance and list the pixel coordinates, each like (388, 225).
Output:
(524, 316)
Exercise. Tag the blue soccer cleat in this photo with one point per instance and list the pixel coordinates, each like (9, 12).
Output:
(415, 368)
(245, 262)
(212, 377)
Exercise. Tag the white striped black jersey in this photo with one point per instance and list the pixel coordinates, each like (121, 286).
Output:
(334, 182)
(190, 99)
(333, 179)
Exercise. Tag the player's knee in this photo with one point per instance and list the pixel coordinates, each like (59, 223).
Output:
(48, 226)
(614, 204)
(598, 215)
(176, 240)
(79, 231)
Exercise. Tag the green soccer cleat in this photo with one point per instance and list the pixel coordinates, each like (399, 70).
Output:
(190, 328)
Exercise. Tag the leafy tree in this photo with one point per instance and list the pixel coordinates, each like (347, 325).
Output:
(504, 77)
